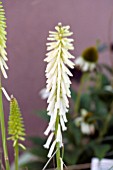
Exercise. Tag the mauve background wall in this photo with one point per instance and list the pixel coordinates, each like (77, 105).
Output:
(28, 23)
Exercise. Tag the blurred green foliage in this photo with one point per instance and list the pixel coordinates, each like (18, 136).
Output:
(97, 98)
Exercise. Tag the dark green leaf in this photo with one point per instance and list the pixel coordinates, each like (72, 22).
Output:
(42, 114)
(106, 96)
(37, 140)
(73, 95)
(73, 134)
(34, 165)
(104, 80)
(101, 150)
(86, 101)
(74, 156)
(39, 151)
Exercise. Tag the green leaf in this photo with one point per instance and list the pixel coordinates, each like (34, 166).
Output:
(104, 80)
(101, 150)
(39, 151)
(73, 95)
(86, 101)
(37, 140)
(42, 114)
(74, 156)
(33, 165)
(106, 96)
(99, 107)
(73, 135)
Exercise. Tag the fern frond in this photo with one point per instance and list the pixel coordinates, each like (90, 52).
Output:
(16, 128)
(3, 33)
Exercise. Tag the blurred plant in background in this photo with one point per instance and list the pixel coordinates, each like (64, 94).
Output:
(90, 117)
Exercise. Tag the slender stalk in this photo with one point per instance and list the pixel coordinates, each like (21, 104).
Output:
(3, 131)
(0, 159)
(57, 146)
(16, 150)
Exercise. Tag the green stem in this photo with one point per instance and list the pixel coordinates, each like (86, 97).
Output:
(57, 145)
(3, 131)
(77, 104)
(98, 81)
(16, 150)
